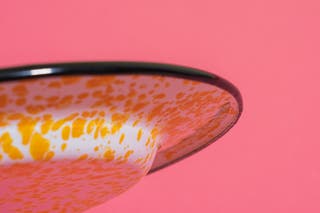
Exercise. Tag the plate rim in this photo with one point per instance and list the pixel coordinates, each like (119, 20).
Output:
(128, 67)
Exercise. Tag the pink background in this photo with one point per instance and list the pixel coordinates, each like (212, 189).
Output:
(270, 49)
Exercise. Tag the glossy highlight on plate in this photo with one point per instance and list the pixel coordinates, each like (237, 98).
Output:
(77, 135)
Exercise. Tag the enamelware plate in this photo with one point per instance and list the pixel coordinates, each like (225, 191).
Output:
(74, 135)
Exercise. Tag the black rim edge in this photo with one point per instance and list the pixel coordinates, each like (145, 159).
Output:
(126, 67)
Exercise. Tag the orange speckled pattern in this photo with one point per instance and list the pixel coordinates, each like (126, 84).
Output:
(69, 143)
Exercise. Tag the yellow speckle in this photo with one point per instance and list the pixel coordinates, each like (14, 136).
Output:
(78, 127)
(138, 160)
(52, 99)
(97, 104)
(58, 124)
(99, 123)
(115, 128)
(34, 109)
(148, 142)
(70, 80)
(83, 95)
(104, 131)
(139, 134)
(97, 81)
(45, 127)
(65, 133)
(142, 96)
(49, 155)
(139, 106)
(153, 143)
(91, 126)
(83, 157)
(154, 133)
(72, 116)
(3, 100)
(120, 97)
(54, 84)
(63, 146)
(102, 114)
(20, 101)
(47, 117)
(15, 116)
(121, 138)
(156, 111)
(135, 122)
(146, 159)
(186, 82)
(96, 148)
(26, 127)
(118, 117)
(39, 146)
(85, 114)
(108, 154)
(20, 90)
(128, 153)
(159, 96)
(3, 123)
(7, 147)
(179, 95)
(93, 113)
